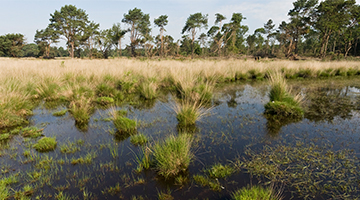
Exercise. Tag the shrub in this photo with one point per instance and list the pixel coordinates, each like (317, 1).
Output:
(45, 144)
(173, 155)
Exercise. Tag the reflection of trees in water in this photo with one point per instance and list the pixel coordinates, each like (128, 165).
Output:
(324, 104)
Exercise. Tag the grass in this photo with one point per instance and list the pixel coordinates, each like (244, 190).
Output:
(282, 103)
(173, 155)
(105, 100)
(4, 136)
(60, 113)
(148, 89)
(139, 139)
(188, 112)
(45, 144)
(255, 193)
(80, 109)
(122, 123)
(32, 132)
(220, 171)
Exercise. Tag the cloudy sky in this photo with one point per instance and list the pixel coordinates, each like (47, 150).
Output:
(26, 16)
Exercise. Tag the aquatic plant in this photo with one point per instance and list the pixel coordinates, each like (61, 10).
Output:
(143, 159)
(80, 109)
(122, 123)
(4, 136)
(255, 193)
(105, 90)
(220, 171)
(173, 155)
(205, 181)
(104, 100)
(148, 89)
(282, 103)
(60, 113)
(188, 112)
(32, 132)
(139, 139)
(45, 144)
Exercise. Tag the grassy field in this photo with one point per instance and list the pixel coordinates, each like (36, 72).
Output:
(81, 82)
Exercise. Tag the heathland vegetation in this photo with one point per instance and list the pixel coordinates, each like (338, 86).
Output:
(327, 29)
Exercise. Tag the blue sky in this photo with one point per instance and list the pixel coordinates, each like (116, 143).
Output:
(26, 16)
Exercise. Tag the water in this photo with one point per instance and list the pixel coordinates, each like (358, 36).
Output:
(234, 123)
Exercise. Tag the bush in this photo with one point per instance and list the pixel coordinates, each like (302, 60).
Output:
(45, 144)
(173, 155)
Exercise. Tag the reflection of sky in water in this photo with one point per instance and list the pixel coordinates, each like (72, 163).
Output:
(234, 123)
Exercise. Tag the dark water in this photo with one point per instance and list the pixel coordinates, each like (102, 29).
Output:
(235, 122)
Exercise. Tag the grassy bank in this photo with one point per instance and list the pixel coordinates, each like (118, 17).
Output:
(24, 82)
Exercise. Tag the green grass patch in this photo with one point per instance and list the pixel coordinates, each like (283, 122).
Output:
(122, 123)
(4, 136)
(45, 144)
(220, 171)
(173, 155)
(32, 132)
(254, 193)
(139, 139)
(148, 89)
(60, 113)
(105, 101)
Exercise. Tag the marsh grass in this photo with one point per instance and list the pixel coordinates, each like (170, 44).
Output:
(220, 171)
(282, 103)
(148, 89)
(81, 109)
(188, 112)
(143, 159)
(4, 137)
(45, 144)
(122, 123)
(105, 101)
(256, 193)
(60, 113)
(173, 155)
(205, 181)
(32, 132)
(139, 139)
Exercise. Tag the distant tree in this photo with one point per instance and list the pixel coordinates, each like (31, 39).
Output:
(270, 33)
(161, 22)
(117, 34)
(104, 40)
(31, 50)
(11, 45)
(44, 38)
(231, 31)
(194, 23)
(139, 25)
(71, 23)
(215, 33)
(91, 31)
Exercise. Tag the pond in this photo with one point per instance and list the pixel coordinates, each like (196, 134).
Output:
(95, 162)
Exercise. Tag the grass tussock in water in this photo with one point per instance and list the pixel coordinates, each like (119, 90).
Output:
(80, 110)
(122, 123)
(60, 113)
(255, 193)
(188, 112)
(282, 103)
(45, 144)
(139, 139)
(148, 89)
(173, 155)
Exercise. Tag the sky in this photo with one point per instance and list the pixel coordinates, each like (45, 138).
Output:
(26, 16)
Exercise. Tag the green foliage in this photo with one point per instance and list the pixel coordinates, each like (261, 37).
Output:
(148, 89)
(60, 113)
(11, 45)
(32, 132)
(45, 144)
(207, 182)
(123, 124)
(105, 90)
(173, 155)
(4, 136)
(254, 193)
(31, 50)
(220, 171)
(284, 109)
(139, 139)
(105, 100)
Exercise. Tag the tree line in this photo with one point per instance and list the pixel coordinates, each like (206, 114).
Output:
(318, 29)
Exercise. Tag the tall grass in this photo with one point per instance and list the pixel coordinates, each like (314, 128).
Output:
(23, 80)
(188, 112)
(282, 103)
(173, 155)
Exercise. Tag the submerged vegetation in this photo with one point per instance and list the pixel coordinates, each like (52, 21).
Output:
(45, 144)
(255, 193)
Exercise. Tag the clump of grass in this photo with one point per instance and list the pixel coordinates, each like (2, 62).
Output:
(80, 109)
(220, 171)
(32, 132)
(60, 113)
(173, 155)
(148, 89)
(45, 144)
(122, 123)
(84, 160)
(255, 193)
(104, 100)
(188, 112)
(282, 103)
(206, 181)
(70, 147)
(139, 139)
(165, 196)
(112, 190)
(105, 90)
(143, 159)
(4, 136)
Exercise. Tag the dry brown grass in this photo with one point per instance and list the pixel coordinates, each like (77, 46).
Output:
(23, 79)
